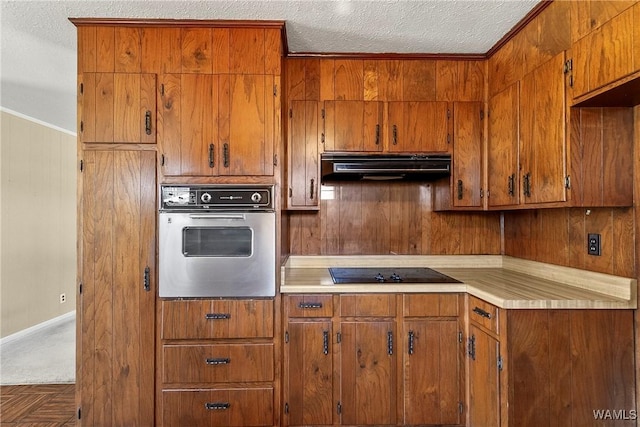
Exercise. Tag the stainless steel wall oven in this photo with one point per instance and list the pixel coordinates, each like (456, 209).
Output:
(217, 241)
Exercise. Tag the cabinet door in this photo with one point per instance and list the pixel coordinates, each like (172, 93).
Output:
(368, 373)
(503, 147)
(606, 54)
(542, 133)
(467, 154)
(116, 317)
(353, 125)
(431, 372)
(484, 396)
(246, 124)
(188, 125)
(309, 373)
(303, 154)
(418, 127)
(118, 108)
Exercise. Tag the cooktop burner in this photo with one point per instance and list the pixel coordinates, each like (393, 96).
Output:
(345, 275)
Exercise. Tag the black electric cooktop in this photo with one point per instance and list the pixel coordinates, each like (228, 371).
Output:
(346, 275)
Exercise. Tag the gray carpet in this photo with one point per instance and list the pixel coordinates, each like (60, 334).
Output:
(44, 356)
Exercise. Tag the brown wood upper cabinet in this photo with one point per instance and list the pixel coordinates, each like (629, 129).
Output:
(543, 146)
(609, 52)
(353, 125)
(303, 158)
(117, 108)
(416, 127)
(217, 124)
(410, 127)
(503, 171)
(527, 151)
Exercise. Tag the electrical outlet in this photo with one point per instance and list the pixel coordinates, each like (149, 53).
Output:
(593, 244)
(63, 298)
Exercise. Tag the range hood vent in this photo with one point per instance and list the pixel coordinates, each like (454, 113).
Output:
(381, 167)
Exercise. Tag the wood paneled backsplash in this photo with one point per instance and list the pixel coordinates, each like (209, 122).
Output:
(559, 236)
(389, 218)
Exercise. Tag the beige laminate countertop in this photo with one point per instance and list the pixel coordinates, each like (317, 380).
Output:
(503, 281)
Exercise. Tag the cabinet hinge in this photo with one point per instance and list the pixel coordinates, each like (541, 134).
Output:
(162, 160)
(322, 114)
(338, 337)
(500, 363)
(81, 165)
(448, 138)
(481, 114)
(81, 88)
(290, 192)
(162, 89)
(460, 337)
(339, 408)
(275, 160)
(567, 182)
(286, 408)
(481, 193)
(79, 413)
(286, 337)
(322, 138)
(80, 288)
(275, 90)
(448, 114)
(461, 408)
(81, 126)
(568, 66)
(290, 112)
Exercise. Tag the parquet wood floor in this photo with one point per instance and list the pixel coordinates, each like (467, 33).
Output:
(41, 405)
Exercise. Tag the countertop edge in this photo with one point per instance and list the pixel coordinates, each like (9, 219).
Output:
(609, 292)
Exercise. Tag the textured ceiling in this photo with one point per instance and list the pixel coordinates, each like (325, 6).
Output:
(38, 43)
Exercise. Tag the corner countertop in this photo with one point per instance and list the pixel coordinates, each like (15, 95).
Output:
(506, 282)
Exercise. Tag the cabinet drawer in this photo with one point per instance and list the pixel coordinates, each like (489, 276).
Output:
(220, 407)
(217, 363)
(373, 305)
(430, 305)
(207, 319)
(483, 314)
(309, 305)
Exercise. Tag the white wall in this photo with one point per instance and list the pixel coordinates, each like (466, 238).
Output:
(37, 222)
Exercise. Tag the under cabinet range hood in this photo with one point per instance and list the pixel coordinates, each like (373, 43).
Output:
(380, 167)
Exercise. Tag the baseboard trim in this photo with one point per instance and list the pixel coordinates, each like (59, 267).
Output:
(25, 332)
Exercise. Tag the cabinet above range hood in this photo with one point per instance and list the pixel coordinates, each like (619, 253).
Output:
(381, 167)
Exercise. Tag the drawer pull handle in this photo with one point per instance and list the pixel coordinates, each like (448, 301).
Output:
(217, 406)
(217, 316)
(412, 337)
(218, 361)
(310, 305)
(482, 313)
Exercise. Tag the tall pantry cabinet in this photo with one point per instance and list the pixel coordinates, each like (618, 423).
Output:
(159, 101)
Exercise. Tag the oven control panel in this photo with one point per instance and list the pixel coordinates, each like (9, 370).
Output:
(215, 197)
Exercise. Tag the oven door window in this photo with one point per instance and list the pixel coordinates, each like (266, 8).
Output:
(217, 242)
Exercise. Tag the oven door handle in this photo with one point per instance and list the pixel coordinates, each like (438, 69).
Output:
(218, 216)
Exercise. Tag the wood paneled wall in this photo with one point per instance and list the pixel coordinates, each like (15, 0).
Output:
(559, 236)
(389, 218)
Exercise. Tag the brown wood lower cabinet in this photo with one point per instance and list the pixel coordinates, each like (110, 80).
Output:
(217, 363)
(372, 359)
(542, 367)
